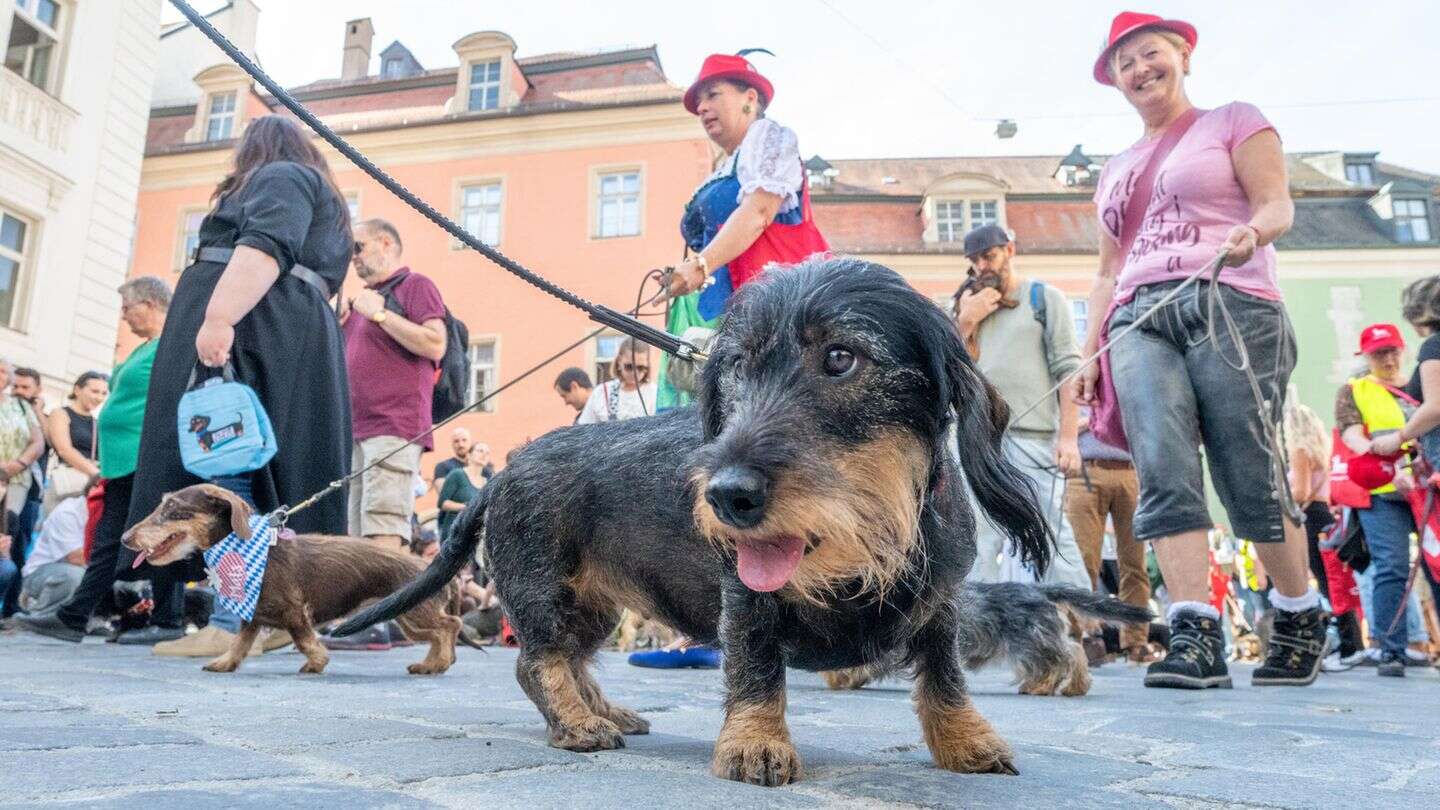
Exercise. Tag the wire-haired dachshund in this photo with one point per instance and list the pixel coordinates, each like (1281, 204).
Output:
(807, 514)
(308, 578)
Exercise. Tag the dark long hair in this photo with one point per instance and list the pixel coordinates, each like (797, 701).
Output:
(270, 139)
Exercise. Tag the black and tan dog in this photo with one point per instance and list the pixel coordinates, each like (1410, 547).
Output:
(308, 578)
(820, 524)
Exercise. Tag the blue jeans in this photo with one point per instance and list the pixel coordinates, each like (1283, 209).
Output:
(220, 617)
(8, 574)
(1387, 526)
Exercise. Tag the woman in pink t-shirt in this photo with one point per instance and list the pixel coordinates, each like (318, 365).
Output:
(1218, 182)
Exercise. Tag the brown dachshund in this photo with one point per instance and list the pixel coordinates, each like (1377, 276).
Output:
(308, 578)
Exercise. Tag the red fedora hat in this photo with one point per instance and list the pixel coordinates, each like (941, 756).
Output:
(727, 66)
(1127, 23)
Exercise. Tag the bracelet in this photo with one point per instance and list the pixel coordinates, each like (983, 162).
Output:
(703, 263)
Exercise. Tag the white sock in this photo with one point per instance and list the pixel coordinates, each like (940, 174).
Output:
(1198, 608)
(1295, 604)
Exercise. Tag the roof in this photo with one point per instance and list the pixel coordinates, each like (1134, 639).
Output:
(170, 28)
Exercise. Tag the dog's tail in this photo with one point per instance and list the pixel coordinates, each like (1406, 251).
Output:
(1096, 606)
(459, 549)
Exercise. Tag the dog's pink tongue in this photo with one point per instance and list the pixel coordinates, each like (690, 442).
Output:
(139, 559)
(767, 566)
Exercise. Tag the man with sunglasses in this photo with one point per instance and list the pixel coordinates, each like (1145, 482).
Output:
(394, 339)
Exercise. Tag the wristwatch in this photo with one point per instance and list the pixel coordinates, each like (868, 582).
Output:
(380, 316)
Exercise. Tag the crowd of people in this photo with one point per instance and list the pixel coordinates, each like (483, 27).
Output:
(1115, 450)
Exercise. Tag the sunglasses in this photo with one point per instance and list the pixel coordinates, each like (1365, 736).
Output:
(633, 367)
(359, 248)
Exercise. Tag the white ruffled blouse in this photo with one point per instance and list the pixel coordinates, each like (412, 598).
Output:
(769, 159)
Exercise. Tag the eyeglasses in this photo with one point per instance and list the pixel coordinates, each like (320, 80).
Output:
(634, 367)
(359, 248)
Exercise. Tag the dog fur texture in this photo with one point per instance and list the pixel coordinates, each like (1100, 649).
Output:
(1021, 623)
(309, 579)
(815, 467)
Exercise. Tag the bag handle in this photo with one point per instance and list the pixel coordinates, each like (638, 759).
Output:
(1139, 201)
(227, 373)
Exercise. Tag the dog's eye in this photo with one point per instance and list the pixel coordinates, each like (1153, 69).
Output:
(839, 361)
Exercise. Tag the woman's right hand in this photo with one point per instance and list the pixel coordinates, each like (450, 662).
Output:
(11, 468)
(213, 342)
(1087, 384)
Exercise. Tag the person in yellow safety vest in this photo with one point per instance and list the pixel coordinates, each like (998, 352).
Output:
(1367, 407)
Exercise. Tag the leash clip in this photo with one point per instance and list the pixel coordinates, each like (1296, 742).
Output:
(278, 518)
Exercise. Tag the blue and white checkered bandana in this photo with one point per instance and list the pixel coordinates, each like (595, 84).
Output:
(237, 567)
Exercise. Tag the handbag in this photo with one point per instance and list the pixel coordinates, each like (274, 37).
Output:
(63, 481)
(223, 428)
(1105, 419)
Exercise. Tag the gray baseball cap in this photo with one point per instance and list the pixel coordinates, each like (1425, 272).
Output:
(983, 238)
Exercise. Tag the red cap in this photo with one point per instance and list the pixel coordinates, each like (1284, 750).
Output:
(1380, 336)
(727, 66)
(1127, 23)
(1371, 471)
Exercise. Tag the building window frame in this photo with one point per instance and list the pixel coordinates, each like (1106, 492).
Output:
(187, 234)
(484, 377)
(599, 199)
(462, 187)
(54, 32)
(353, 204)
(220, 123)
(23, 261)
(489, 87)
(1360, 173)
(1413, 226)
(603, 348)
(954, 216)
(950, 220)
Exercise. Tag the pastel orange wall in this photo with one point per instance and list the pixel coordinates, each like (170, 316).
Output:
(546, 211)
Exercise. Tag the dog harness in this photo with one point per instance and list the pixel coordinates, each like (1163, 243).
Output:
(237, 567)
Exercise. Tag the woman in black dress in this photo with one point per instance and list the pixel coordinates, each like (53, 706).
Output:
(264, 309)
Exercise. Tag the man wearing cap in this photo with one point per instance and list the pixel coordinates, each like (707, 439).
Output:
(1366, 407)
(1022, 337)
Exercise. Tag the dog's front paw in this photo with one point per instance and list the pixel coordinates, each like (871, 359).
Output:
(314, 666)
(427, 668)
(768, 762)
(984, 752)
(594, 733)
(224, 663)
(852, 678)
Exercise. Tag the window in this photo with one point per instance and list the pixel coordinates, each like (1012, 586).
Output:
(221, 120)
(13, 244)
(1080, 313)
(190, 237)
(983, 212)
(619, 205)
(485, 85)
(1361, 174)
(482, 373)
(480, 211)
(606, 347)
(352, 202)
(1412, 222)
(34, 46)
(392, 68)
(950, 220)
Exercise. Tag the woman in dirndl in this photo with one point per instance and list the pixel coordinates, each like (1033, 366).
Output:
(753, 211)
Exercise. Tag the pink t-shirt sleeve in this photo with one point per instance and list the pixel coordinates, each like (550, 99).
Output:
(1246, 120)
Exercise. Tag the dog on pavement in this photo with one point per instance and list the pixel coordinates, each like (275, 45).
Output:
(308, 578)
(808, 514)
(1021, 623)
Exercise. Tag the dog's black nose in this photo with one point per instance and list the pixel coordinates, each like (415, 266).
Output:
(738, 495)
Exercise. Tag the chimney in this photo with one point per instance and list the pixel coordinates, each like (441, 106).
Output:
(356, 62)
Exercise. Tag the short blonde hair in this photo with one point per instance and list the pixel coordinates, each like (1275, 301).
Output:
(1113, 63)
(1305, 432)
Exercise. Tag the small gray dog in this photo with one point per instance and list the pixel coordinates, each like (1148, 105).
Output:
(1022, 623)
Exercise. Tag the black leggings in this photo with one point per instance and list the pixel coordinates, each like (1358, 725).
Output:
(1318, 520)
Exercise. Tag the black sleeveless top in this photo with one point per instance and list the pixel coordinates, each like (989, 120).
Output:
(82, 432)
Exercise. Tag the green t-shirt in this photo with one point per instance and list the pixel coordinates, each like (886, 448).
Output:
(457, 487)
(123, 413)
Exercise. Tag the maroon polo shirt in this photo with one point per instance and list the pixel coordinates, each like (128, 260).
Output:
(390, 388)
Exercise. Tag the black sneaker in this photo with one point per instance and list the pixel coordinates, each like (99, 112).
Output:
(49, 624)
(1391, 665)
(1196, 659)
(1296, 647)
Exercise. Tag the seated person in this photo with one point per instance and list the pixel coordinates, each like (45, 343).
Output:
(57, 562)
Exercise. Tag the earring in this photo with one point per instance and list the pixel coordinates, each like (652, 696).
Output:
(745, 109)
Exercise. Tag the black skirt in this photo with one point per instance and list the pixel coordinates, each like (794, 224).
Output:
(290, 350)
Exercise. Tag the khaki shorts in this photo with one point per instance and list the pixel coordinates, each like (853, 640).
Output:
(382, 500)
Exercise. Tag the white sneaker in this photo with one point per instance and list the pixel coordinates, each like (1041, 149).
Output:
(1334, 662)
(1415, 658)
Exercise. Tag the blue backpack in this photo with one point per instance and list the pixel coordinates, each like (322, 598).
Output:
(224, 430)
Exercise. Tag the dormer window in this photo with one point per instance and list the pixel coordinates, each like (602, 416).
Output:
(220, 122)
(950, 220)
(1360, 173)
(484, 85)
(1412, 220)
(392, 68)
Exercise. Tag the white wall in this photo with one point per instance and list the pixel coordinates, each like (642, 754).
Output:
(77, 182)
(186, 51)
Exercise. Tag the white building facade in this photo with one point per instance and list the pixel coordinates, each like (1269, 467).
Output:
(75, 95)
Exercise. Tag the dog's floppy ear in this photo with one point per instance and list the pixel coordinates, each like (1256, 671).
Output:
(711, 400)
(238, 508)
(1007, 496)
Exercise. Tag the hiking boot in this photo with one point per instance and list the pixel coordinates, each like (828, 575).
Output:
(1196, 659)
(375, 638)
(1391, 665)
(150, 635)
(270, 641)
(207, 642)
(1296, 647)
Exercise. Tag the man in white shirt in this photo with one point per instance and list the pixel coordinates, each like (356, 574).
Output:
(57, 562)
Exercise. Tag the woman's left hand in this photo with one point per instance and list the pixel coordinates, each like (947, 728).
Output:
(1387, 444)
(213, 342)
(1241, 244)
(12, 468)
(687, 278)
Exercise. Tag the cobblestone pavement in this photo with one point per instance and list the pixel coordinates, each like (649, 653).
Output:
(98, 725)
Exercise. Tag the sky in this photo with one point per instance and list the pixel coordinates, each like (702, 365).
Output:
(926, 77)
